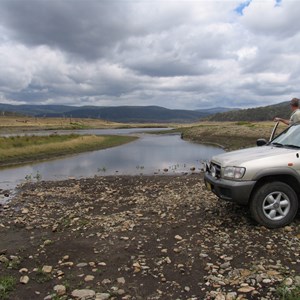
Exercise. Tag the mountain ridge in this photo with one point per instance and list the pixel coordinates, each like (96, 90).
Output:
(261, 113)
(123, 114)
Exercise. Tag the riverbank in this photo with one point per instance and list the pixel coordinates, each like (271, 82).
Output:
(23, 149)
(139, 237)
(229, 135)
(23, 124)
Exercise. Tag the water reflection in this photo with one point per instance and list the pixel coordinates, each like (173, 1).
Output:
(148, 155)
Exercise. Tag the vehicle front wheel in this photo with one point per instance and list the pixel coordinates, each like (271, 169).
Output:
(275, 204)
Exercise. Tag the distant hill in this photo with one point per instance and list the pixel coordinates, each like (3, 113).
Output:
(264, 113)
(124, 114)
(10, 114)
(216, 110)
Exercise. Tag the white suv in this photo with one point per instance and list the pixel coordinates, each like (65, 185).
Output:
(267, 178)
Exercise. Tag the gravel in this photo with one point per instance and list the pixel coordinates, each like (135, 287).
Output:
(139, 237)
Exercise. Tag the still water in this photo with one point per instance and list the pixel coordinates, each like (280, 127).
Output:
(150, 154)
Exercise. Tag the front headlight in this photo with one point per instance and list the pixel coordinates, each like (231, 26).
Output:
(234, 172)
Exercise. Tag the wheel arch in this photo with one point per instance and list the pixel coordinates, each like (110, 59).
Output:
(288, 179)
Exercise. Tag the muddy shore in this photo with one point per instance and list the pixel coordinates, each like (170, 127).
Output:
(149, 237)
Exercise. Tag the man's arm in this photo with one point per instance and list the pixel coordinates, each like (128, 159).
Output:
(284, 121)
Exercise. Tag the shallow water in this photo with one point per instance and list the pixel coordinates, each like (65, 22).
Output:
(148, 155)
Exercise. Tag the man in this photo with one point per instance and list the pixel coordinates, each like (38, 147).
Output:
(295, 117)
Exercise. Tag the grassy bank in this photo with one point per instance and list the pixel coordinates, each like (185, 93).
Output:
(13, 123)
(230, 135)
(21, 149)
(17, 124)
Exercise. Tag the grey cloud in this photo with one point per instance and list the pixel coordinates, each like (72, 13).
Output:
(86, 28)
(169, 53)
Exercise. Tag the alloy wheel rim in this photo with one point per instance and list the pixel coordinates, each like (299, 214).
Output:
(276, 206)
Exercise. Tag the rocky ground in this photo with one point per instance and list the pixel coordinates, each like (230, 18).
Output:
(158, 237)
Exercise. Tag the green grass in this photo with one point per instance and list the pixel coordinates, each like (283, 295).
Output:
(22, 149)
(7, 285)
(42, 277)
(286, 293)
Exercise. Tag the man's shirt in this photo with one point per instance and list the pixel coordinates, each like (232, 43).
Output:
(295, 117)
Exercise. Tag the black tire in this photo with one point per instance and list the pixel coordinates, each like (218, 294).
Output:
(274, 204)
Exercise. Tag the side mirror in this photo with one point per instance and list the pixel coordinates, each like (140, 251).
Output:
(261, 142)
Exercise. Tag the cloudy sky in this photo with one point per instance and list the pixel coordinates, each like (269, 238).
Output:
(179, 54)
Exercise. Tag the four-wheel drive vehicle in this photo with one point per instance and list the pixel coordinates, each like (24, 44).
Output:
(267, 178)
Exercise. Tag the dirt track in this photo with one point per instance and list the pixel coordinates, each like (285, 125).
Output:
(157, 237)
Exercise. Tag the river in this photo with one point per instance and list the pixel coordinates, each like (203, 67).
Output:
(150, 154)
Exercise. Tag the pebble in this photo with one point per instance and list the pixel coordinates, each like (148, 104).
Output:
(220, 296)
(231, 296)
(225, 265)
(178, 237)
(83, 294)
(47, 269)
(24, 279)
(106, 281)
(81, 265)
(288, 282)
(102, 296)
(47, 242)
(246, 289)
(89, 278)
(60, 289)
(23, 270)
(25, 211)
(4, 259)
(121, 280)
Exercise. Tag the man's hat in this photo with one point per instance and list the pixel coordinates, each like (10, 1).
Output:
(294, 102)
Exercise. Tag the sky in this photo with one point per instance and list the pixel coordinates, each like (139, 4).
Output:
(180, 54)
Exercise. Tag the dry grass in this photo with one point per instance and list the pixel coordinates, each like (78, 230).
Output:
(12, 124)
(53, 123)
(230, 135)
(14, 150)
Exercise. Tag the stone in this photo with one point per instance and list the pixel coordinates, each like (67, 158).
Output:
(288, 228)
(288, 282)
(121, 280)
(89, 278)
(25, 211)
(297, 280)
(83, 294)
(203, 255)
(60, 289)
(120, 292)
(47, 242)
(246, 289)
(81, 265)
(178, 237)
(168, 260)
(102, 296)
(47, 269)
(24, 279)
(231, 296)
(267, 280)
(23, 270)
(187, 289)
(225, 265)
(105, 281)
(4, 259)
(220, 296)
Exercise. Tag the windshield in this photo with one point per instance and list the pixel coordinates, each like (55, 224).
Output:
(288, 138)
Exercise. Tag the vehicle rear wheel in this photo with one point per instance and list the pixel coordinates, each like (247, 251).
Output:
(275, 204)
